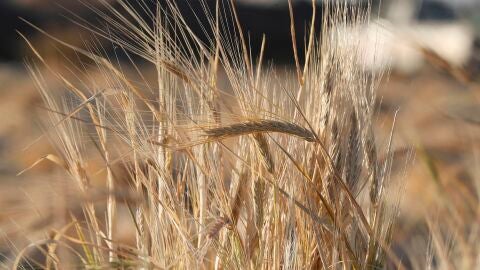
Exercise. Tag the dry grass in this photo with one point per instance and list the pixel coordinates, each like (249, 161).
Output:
(264, 175)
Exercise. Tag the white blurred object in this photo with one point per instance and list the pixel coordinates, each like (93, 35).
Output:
(380, 44)
(453, 41)
(400, 12)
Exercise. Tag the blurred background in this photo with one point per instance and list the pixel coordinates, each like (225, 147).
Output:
(431, 46)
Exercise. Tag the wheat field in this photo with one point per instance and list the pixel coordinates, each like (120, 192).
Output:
(176, 152)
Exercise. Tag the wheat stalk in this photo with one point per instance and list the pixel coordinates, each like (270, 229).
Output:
(306, 219)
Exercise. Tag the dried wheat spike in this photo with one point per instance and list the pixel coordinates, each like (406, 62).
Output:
(264, 150)
(261, 126)
(217, 226)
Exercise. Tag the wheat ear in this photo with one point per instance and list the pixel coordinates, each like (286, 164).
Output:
(261, 126)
